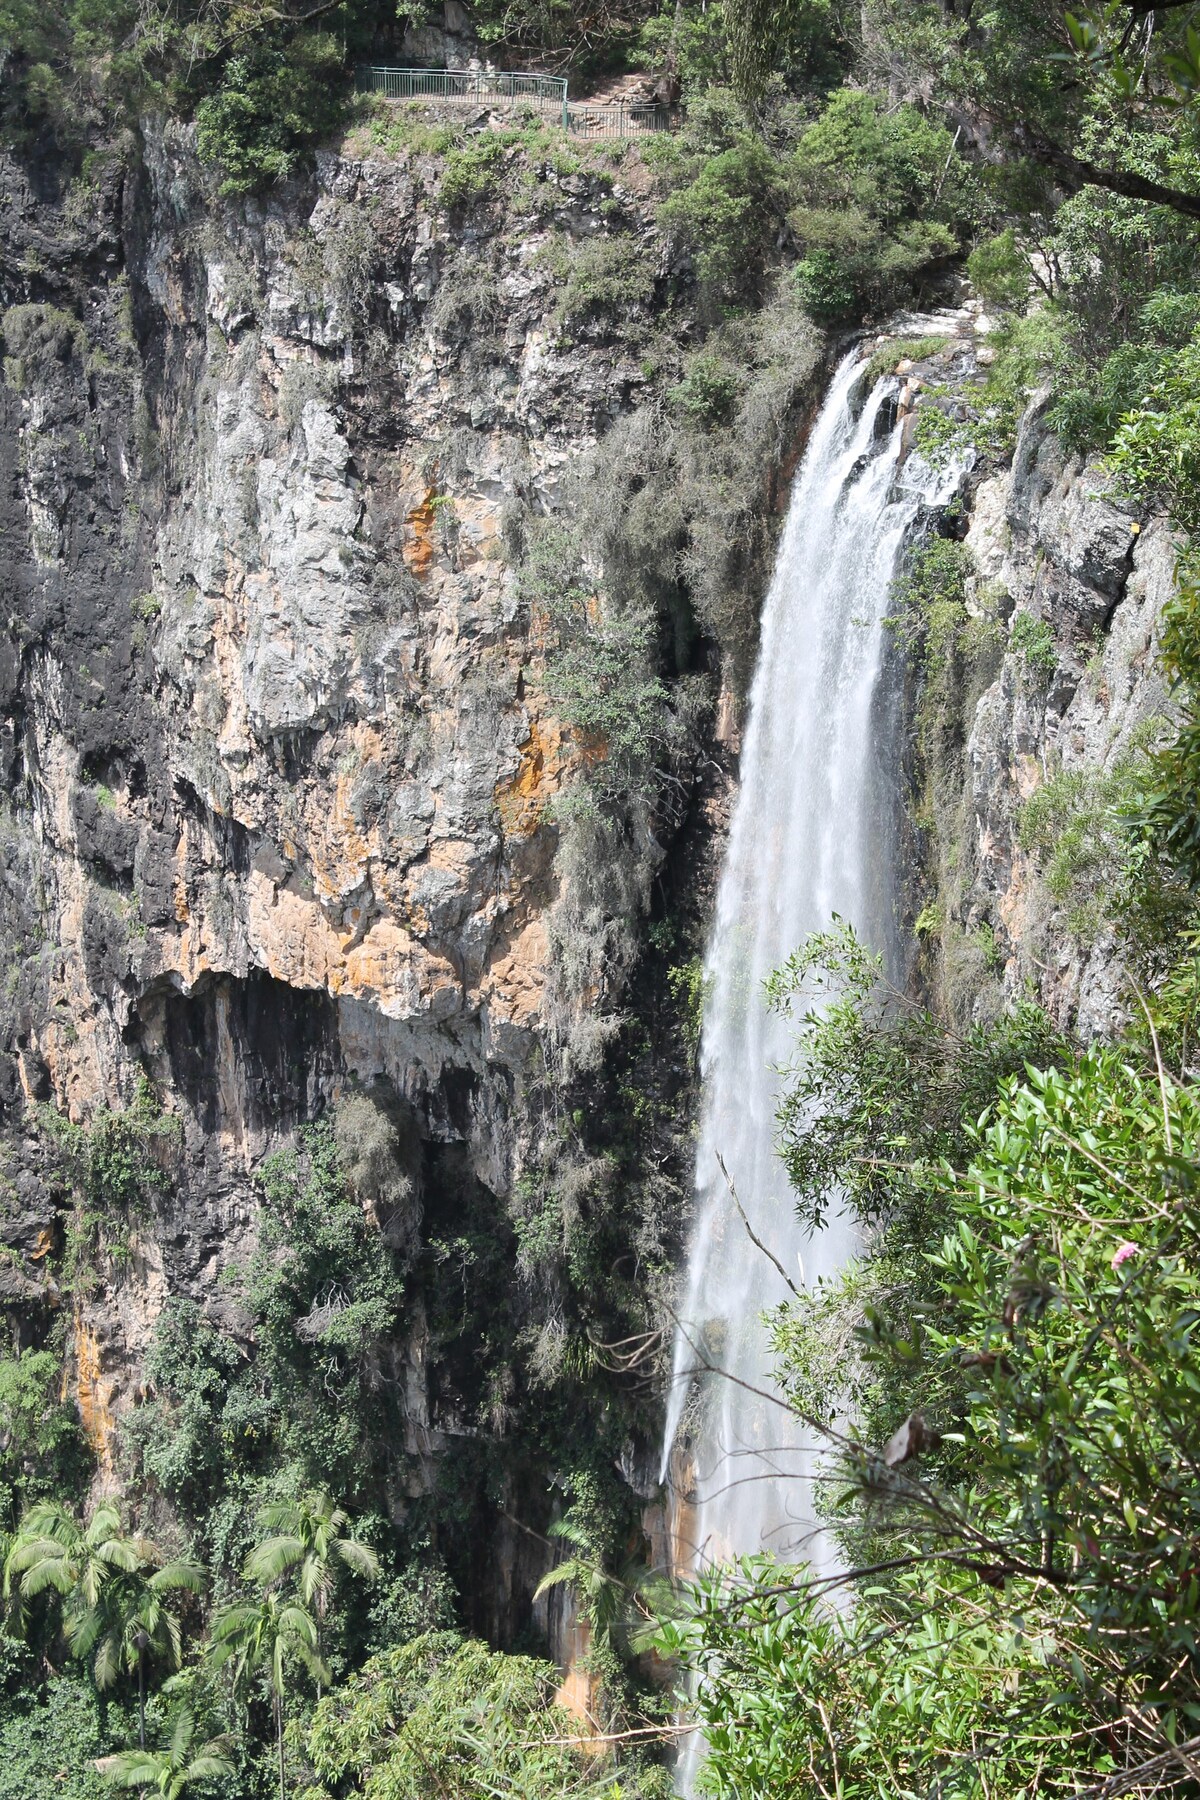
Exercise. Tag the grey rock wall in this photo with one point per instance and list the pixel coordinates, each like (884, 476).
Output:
(1057, 546)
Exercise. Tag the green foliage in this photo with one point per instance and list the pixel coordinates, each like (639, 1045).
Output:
(920, 1689)
(42, 1450)
(998, 269)
(183, 1766)
(601, 672)
(48, 1744)
(325, 1293)
(109, 1591)
(273, 103)
(708, 391)
(803, 41)
(471, 168)
(1032, 639)
(929, 599)
(728, 215)
(186, 1436)
(267, 1638)
(895, 350)
(1087, 830)
(35, 338)
(420, 1599)
(604, 276)
(1018, 1507)
(689, 989)
(1156, 451)
(866, 222)
(879, 1090)
(452, 1713)
(1170, 808)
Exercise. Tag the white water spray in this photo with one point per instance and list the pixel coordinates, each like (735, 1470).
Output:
(812, 835)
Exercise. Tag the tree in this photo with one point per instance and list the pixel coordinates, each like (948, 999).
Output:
(310, 1539)
(265, 1636)
(148, 1630)
(1017, 1433)
(176, 1768)
(112, 1590)
(446, 1716)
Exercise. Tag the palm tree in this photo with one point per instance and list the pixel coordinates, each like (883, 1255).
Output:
(148, 1630)
(172, 1770)
(310, 1538)
(52, 1552)
(266, 1635)
(111, 1588)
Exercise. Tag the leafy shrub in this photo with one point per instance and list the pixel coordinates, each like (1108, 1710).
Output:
(1170, 807)
(865, 221)
(708, 391)
(48, 1747)
(1033, 1510)
(274, 102)
(1087, 829)
(471, 169)
(998, 269)
(42, 1451)
(182, 1436)
(929, 597)
(449, 1711)
(325, 1292)
(1033, 640)
(1157, 447)
(601, 670)
(727, 216)
(604, 275)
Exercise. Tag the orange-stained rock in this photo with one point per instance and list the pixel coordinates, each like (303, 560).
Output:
(418, 549)
(545, 759)
(91, 1391)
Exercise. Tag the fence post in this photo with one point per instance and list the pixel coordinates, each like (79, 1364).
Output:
(566, 115)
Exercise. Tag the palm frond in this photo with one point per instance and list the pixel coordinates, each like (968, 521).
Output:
(175, 1575)
(182, 1733)
(271, 1560)
(564, 1574)
(130, 1768)
(107, 1666)
(211, 1764)
(358, 1556)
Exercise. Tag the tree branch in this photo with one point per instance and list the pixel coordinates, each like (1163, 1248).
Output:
(1077, 172)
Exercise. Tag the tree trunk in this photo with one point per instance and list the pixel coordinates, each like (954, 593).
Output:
(279, 1736)
(141, 1698)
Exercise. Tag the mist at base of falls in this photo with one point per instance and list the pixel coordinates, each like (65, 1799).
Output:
(812, 835)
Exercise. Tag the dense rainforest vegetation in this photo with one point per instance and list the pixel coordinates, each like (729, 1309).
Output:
(1006, 1376)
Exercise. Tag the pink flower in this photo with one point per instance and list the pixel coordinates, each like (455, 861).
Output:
(1122, 1253)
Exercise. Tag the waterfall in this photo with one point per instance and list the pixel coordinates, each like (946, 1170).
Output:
(812, 835)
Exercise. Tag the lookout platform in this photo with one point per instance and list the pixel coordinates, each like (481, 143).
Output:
(506, 88)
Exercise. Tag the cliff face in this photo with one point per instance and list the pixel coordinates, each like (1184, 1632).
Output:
(1062, 693)
(276, 761)
(279, 764)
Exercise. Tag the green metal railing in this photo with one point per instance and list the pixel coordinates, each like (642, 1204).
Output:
(621, 120)
(546, 92)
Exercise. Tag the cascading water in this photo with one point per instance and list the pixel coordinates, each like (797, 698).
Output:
(811, 836)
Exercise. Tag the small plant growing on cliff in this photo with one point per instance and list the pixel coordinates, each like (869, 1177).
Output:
(606, 275)
(472, 168)
(708, 392)
(1033, 640)
(688, 989)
